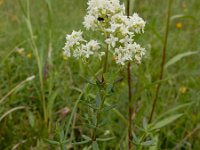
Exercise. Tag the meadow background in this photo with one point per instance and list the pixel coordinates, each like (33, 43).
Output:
(22, 123)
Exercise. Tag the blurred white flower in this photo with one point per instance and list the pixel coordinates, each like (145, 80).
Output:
(66, 52)
(99, 13)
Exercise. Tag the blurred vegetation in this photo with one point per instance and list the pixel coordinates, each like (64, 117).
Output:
(64, 79)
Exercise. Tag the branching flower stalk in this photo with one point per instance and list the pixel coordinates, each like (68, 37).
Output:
(108, 17)
(163, 61)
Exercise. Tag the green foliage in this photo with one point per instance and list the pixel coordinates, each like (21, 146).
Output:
(58, 109)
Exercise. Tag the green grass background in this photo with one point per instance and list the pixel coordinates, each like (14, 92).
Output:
(64, 76)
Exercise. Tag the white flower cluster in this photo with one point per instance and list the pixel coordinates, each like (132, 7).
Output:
(108, 16)
(100, 12)
(78, 47)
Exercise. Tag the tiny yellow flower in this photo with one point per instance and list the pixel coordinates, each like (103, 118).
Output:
(29, 55)
(182, 89)
(1, 2)
(179, 25)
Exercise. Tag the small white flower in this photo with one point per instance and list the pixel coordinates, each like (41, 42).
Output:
(86, 51)
(136, 23)
(94, 45)
(89, 22)
(112, 40)
(127, 39)
(78, 52)
(124, 30)
(74, 39)
(113, 28)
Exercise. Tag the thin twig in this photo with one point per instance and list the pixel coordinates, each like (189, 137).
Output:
(163, 60)
(129, 106)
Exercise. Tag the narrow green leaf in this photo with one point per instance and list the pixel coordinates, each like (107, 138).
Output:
(179, 57)
(95, 145)
(62, 135)
(52, 142)
(103, 122)
(107, 108)
(65, 141)
(91, 126)
(148, 143)
(10, 111)
(155, 146)
(166, 121)
(105, 139)
(86, 137)
(178, 16)
(82, 142)
(98, 100)
(74, 110)
(31, 118)
(109, 88)
(173, 110)
(145, 123)
(135, 138)
(94, 119)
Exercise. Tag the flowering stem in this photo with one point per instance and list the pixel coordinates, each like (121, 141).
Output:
(102, 94)
(129, 91)
(163, 60)
(129, 105)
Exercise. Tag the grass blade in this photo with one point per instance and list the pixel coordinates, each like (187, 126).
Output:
(10, 111)
(179, 57)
